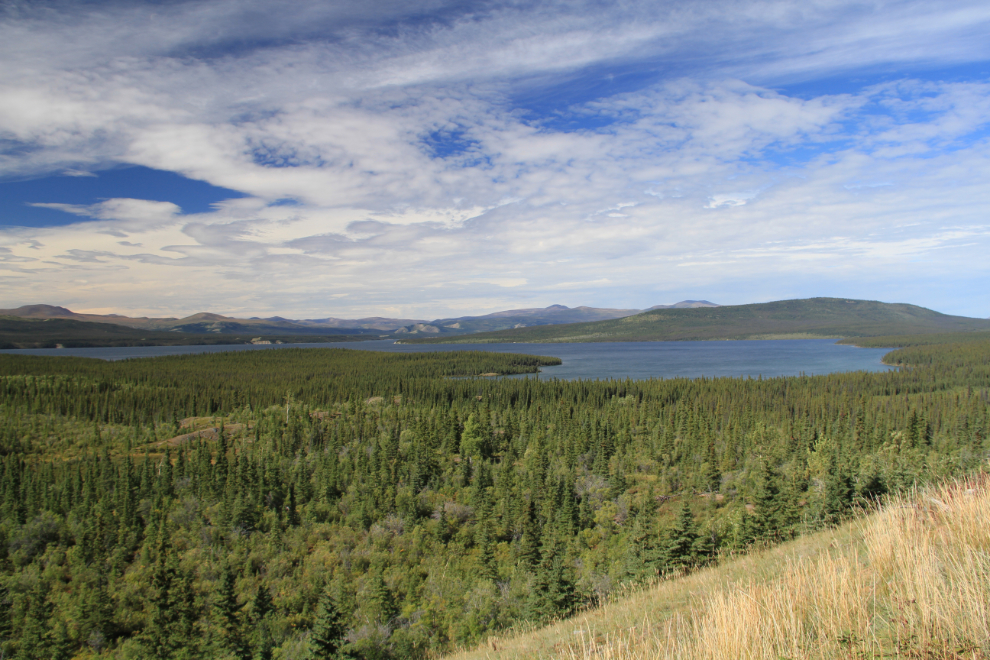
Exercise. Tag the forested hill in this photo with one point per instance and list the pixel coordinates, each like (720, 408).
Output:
(812, 317)
(69, 333)
(283, 504)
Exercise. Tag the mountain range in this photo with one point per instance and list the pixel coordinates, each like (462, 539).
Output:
(205, 322)
(36, 326)
(783, 319)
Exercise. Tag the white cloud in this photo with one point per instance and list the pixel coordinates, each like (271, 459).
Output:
(125, 214)
(730, 199)
(692, 184)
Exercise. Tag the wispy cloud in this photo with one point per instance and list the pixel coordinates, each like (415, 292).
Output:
(419, 180)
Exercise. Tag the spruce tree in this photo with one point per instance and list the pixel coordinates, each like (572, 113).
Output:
(476, 438)
(262, 604)
(529, 542)
(764, 521)
(488, 567)
(61, 644)
(6, 611)
(838, 496)
(169, 633)
(680, 550)
(380, 598)
(227, 617)
(35, 626)
(552, 592)
(328, 637)
(262, 640)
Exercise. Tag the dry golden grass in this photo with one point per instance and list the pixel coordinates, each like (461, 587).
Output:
(911, 581)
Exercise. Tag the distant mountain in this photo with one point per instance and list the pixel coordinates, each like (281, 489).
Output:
(370, 323)
(207, 323)
(59, 332)
(813, 317)
(522, 318)
(201, 323)
(688, 319)
(685, 304)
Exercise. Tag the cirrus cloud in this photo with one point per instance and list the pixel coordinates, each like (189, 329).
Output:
(411, 157)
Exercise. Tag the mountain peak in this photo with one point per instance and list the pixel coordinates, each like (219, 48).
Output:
(685, 304)
(40, 311)
(205, 316)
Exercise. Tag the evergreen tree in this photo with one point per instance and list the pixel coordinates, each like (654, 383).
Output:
(61, 645)
(837, 497)
(380, 598)
(870, 487)
(262, 640)
(291, 508)
(169, 633)
(227, 616)
(710, 475)
(35, 626)
(6, 612)
(328, 638)
(552, 593)
(97, 616)
(486, 556)
(475, 439)
(529, 541)
(646, 551)
(680, 544)
(262, 604)
(765, 519)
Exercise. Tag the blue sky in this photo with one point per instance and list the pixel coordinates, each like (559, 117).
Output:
(435, 159)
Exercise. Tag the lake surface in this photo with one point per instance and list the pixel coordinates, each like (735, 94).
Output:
(636, 360)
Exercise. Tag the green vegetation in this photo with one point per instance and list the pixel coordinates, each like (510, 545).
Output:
(814, 317)
(334, 503)
(903, 341)
(910, 580)
(66, 333)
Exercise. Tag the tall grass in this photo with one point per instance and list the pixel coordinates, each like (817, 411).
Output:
(909, 581)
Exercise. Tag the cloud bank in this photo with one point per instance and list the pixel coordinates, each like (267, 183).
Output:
(430, 159)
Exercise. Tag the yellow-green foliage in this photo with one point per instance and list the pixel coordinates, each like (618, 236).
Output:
(909, 581)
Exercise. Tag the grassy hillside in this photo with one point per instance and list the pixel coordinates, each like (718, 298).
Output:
(52, 332)
(813, 317)
(912, 581)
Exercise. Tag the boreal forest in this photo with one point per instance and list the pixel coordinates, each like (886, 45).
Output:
(318, 503)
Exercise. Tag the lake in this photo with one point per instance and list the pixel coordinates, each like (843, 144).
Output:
(636, 360)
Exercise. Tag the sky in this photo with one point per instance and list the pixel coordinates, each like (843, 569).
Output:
(430, 159)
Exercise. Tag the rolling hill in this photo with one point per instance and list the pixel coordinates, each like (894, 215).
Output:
(209, 323)
(18, 332)
(201, 323)
(811, 317)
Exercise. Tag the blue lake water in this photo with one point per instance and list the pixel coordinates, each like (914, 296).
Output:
(636, 360)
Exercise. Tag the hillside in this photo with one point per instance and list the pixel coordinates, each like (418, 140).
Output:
(206, 323)
(200, 323)
(912, 580)
(514, 318)
(812, 317)
(525, 318)
(69, 333)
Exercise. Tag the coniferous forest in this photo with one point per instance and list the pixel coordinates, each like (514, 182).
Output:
(325, 503)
